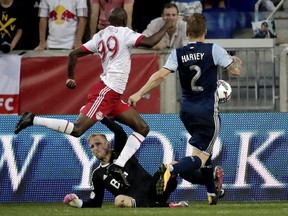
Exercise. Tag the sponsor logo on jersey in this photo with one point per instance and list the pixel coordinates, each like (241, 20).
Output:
(99, 115)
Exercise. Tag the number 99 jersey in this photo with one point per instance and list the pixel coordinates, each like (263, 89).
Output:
(113, 44)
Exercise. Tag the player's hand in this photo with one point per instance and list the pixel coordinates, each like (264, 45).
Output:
(133, 99)
(70, 83)
(237, 63)
(237, 60)
(73, 200)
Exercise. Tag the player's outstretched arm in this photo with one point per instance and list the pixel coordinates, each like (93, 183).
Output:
(154, 39)
(72, 60)
(235, 67)
(154, 81)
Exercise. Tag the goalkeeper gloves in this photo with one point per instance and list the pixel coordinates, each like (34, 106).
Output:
(73, 200)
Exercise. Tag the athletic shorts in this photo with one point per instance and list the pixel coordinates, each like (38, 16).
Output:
(103, 101)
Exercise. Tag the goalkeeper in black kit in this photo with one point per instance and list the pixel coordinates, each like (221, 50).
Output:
(136, 189)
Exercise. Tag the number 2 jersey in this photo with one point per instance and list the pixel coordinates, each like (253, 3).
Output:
(113, 44)
(197, 64)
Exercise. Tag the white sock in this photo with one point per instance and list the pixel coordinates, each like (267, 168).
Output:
(170, 167)
(211, 194)
(59, 125)
(132, 145)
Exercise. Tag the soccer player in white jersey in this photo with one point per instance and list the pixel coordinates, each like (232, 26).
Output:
(113, 44)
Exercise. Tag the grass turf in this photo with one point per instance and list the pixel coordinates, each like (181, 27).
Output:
(195, 208)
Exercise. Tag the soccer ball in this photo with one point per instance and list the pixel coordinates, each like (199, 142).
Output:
(224, 91)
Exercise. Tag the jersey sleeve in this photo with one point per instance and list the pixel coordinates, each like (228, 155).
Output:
(172, 63)
(82, 8)
(220, 56)
(91, 44)
(96, 196)
(120, 136)
(43, 9)
(132, 38)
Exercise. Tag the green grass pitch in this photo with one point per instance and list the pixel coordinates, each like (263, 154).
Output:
(108, 209)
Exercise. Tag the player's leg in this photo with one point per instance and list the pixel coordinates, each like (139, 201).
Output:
(204, 130)
(194, 177)
(124, 201)
(76, 129)
(132, 119)
(185, 164)
(163, 196)
(218, 178)
(197, 177)
(101, 100)
(210, 183)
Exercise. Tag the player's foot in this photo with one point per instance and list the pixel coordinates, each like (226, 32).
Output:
(218, 179)
(116, 170)
(221, 193)
(179, 204)
(212, 200)
(25, 121)
(163, 179)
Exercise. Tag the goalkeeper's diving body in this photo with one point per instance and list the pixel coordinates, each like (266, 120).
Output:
(140, 188)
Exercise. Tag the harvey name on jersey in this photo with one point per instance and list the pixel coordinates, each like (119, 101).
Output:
(192, 56)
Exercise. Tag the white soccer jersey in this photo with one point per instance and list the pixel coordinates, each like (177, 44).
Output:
(63, 20)
(114, 44)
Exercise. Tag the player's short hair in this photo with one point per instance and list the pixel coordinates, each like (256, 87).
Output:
(169, 5)
(96, 134)
(196, 25)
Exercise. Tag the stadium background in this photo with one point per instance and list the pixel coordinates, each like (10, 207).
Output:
(39, 165)
(251, 147)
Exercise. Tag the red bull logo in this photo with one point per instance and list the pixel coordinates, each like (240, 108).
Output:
(60, 14)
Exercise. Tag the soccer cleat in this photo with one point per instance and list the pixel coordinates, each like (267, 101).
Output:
(221, 193)
(212, 200)
(179, 204)
(25, 121)
(163, 179)
(218, 178)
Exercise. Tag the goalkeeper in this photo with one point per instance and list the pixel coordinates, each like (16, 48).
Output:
(136, 189)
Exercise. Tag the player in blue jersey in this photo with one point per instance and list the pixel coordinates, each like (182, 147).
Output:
(197, 65)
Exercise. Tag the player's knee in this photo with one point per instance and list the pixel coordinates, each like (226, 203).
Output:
(144, 130)
(123, 201)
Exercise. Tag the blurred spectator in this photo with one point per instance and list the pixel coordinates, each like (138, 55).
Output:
(188, 7)
(100, 10)
(143, 13)
(268, 5)
(212, 4)
(66, 21)
(264, 32)
(174, 37)
(11, 25)
(30, 36)
(249, 5)
(221, 21)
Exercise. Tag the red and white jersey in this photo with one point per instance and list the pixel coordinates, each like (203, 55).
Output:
(114, 44)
